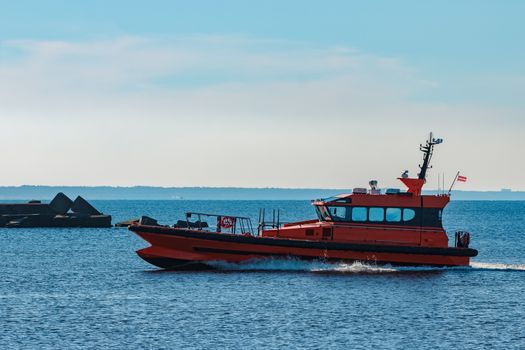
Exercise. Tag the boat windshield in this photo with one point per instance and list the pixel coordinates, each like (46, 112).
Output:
(323, 213)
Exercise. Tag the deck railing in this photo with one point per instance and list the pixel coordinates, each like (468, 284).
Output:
(223, 223)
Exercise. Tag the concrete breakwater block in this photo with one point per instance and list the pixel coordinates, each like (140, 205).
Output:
(25, 208)
(61, 203)
(60, 212)
(82, 221)
(31, 220)
(81, 206)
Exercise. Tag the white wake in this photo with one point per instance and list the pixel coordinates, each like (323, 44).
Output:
(497, 266)
(276, 264)
(301, 265)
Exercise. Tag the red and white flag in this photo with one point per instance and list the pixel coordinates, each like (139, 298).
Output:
(462, 178)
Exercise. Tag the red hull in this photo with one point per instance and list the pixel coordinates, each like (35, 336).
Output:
(174, 248)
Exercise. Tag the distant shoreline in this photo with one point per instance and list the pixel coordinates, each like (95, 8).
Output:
(28, 192)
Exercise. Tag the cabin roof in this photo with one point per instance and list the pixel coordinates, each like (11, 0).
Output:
(403, 199)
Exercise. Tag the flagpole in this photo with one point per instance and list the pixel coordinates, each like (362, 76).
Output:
(453, 182)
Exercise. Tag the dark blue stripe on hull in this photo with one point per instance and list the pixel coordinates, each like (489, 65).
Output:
(177, 264)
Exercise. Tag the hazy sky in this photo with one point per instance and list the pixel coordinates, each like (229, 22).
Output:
(260, 93)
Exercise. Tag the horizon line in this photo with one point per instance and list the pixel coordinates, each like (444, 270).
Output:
(503, 189)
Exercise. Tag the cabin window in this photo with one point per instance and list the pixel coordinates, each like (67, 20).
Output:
(338, 213)
(376, 214)
(393, 214)
(409, 214)
(359, 214)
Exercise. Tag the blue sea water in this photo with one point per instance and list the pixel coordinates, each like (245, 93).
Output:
(86, 288)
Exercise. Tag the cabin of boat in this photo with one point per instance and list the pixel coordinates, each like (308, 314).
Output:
(395, 218)
(395, 227)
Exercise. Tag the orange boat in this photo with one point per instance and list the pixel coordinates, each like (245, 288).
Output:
(395, 227)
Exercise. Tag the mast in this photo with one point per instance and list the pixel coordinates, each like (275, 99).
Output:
(427, 150)
(415, 185)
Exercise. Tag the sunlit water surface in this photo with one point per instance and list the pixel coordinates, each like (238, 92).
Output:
(86, 288)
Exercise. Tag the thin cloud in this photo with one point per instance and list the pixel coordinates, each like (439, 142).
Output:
(141, 61)
(92, 107)
(200, 75)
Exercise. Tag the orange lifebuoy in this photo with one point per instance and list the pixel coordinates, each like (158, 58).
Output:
(227, 221)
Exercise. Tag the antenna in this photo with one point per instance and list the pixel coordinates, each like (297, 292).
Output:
(453, 182)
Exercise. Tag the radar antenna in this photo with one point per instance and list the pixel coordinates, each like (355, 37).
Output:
(427, 150)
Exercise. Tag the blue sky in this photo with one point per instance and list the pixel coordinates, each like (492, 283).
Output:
(255, 82)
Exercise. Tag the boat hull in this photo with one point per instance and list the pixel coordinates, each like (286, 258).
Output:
(186, 249)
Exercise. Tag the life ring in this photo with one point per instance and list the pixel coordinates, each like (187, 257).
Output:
(227, 221)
